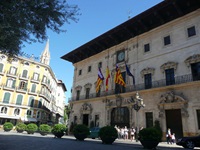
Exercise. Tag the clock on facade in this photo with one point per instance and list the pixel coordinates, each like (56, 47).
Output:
(120, 56)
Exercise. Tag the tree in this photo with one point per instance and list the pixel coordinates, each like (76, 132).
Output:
(28, 20)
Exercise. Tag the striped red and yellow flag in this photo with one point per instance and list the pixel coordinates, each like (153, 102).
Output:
(107, 77)
(118, 77)
(99, 80)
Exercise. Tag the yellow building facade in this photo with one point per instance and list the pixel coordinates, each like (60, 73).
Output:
(28, 90)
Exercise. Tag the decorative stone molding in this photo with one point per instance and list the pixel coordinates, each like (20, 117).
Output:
(88, 85)
(171, 101)
(147, 71)
(118, 100)
(192, 59)
(86, 109)
(78, 88)
(168, 65)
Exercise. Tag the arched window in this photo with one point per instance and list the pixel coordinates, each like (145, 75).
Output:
(1, 67)
(19, 99)
(25, 73)
(38, 114)
(23, 85)
(40, 103)
(17, 111)
(6, 98)
(10, 83)
(13, 70)
(33, 89)
(29, 113)
(4, 110)
(31, 101)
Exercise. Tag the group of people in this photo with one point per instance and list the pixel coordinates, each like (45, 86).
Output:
(171, 139)
(126, 133)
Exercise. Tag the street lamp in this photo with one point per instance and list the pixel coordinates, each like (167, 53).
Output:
(138, 104)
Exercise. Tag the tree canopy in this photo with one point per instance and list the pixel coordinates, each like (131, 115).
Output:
(28, 21)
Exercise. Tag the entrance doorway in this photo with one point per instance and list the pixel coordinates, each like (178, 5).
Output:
(174, 122)
(120, 117)
(85, 119)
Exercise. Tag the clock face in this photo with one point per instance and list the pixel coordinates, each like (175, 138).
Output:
(120, 56)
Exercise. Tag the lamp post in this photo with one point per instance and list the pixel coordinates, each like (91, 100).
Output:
(138, 104)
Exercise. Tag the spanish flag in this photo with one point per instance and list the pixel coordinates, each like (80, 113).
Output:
(118, 77)
(99, 80)
(107, 77)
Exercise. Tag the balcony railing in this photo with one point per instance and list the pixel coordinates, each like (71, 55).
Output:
(155, 84)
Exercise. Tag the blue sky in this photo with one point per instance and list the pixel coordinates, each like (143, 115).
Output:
(97, 17)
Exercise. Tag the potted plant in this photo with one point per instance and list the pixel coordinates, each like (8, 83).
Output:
(20, 127)
(7, 126)
(58, 130)
(108, 134)
(81, 132)
(150, 137)
(31, 128)
(44, 129)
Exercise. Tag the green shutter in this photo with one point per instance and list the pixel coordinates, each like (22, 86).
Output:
(6, 98)
(1, 67)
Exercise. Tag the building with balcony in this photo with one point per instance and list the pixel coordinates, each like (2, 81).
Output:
(161, 47)
(29, 90)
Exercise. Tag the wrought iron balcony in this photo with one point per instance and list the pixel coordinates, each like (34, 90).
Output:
(155, 84)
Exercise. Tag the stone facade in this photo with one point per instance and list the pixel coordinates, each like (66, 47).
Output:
(161, 99)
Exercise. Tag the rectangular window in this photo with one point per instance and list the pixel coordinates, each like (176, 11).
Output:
(89, 69)
(96, 122)
(100, 65)
(36, 76)
(13, 70)
(195, 71)
(169, 74)
(77, 94)
(149, 119)
(191, 31)
(80, 72)
(146, 47)
(167, 40)
(147, 81)
(87, 93)
(198, 118)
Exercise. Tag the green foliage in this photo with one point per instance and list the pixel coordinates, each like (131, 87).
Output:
(108, 132)
(81, 129)
(72, 127)
(31, 128)
(7, 126)
(158, 127)
(28, 21)
(21, 127)
(44, 128)
(58, 130)
(150, 134)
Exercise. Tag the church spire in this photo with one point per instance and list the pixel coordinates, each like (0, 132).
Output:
(45, 56)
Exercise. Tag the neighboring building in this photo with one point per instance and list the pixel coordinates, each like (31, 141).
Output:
(29, 90)
(161, 47)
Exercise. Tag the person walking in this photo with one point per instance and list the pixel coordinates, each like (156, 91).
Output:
(169, 136)
(173, 138)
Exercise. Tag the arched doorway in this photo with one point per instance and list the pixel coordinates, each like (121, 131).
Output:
(120, 117)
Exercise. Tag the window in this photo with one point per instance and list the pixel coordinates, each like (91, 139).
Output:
(44, 79)
(13, 70)
(146, 47)
(198, 118)
(29, 113)
(40, 103)
(36, 76)
(149, 119)
(147, 81)
(17, 111)
(89, 69)
(26, 63)
(77, 94)
(80, 72)
(4, 110)
(167, 40)
(87, 95)
(10, 83)
(25, 73)
(191, 31)
(169, 74)
(100, 65)
(1, 67)
(75, 120)
(23, 85)
(38, 114)
(33, 88)
(6, 98)
(195, 71)
(31, 102)
(19, 99)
